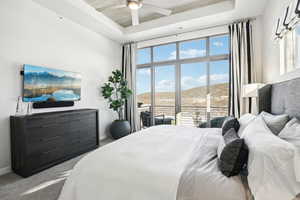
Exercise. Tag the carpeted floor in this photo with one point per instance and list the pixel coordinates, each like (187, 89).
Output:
(45, 185)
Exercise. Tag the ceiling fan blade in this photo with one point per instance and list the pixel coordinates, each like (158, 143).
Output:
(135, 17)
(112, 7)
(157, 9)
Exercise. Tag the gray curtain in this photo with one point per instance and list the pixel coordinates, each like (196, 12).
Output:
(241, 66)
(128, 69)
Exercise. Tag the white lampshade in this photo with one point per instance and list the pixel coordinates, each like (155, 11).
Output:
(251, 90)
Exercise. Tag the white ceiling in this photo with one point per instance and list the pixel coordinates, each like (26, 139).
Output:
(224, 11)
(122, 16)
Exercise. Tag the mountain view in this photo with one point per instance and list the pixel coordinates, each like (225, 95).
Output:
(191, 97)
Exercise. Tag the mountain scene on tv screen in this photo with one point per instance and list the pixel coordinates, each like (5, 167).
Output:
(44, 84)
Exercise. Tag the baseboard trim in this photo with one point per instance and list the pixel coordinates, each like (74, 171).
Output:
(5, 170)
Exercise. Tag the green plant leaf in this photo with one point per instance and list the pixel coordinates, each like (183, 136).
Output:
(116, 91)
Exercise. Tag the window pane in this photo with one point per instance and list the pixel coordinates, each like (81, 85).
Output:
(193, 93)
(192, 49)
(164, 53)
(143, 87)
(165, 85)
(219, 88)
(164, 110)
(144, 56)
(193, 84)
(219, 45)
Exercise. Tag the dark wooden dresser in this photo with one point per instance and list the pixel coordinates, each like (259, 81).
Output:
(40, 141)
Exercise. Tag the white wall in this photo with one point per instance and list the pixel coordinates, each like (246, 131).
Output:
(35, 35)
(271, 51)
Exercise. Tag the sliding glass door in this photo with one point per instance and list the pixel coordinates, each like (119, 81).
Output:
(219, 88)
(164, 94)
(193, 102)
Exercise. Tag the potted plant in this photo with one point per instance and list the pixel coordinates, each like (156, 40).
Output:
(117, 92)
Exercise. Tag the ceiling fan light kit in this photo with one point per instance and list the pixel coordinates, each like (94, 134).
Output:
(134, 4)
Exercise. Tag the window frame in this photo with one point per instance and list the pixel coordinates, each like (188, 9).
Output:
(289, 47)
(178, 62)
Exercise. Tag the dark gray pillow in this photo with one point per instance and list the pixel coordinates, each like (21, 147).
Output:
(232, 154)
(229, 123)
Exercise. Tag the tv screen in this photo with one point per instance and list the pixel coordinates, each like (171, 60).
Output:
(45, 84)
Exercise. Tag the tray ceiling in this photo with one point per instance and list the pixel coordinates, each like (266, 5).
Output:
(122, 16)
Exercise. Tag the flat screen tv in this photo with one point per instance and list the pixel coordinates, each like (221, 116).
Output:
(50, 85)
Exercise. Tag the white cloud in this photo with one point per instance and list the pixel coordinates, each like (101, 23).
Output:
(165, 86)
(172, 55)
(217, 78)
(189, 82)
(218, 44)
(144, 71)
(191, 53)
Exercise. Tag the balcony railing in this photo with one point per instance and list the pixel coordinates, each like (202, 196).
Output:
(189, 115)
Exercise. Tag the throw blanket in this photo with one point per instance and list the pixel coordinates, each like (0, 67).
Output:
(202, 180)
(152, 165)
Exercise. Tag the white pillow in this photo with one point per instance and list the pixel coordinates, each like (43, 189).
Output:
(244, 121)
(275, 122)
(291, 131)
(270, 164)
(291, 134)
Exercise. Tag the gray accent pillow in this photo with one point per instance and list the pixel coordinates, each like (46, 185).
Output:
(232, 154)
(229, 123)
(275, 122)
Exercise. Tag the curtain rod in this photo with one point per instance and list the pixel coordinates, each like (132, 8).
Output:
(201, 29)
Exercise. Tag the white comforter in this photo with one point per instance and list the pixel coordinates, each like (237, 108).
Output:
(154, 164)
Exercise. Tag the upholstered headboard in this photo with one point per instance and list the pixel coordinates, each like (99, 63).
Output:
(280, 98)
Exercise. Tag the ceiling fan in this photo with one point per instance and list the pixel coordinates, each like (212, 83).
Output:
(135, 5)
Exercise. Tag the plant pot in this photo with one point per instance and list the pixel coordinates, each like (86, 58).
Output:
(119, 129)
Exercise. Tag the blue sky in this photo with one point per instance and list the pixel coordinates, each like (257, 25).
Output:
(192, 75)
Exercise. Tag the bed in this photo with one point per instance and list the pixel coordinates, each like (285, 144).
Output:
(170, 162)
(158, 163)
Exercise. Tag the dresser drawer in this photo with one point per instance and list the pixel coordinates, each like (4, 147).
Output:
(81, 130)
(45, 157)
(82, 123)
(37, 122)
(79, 146)
(44, 145)
(76, 117)
(80, 139)
(43, 133)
